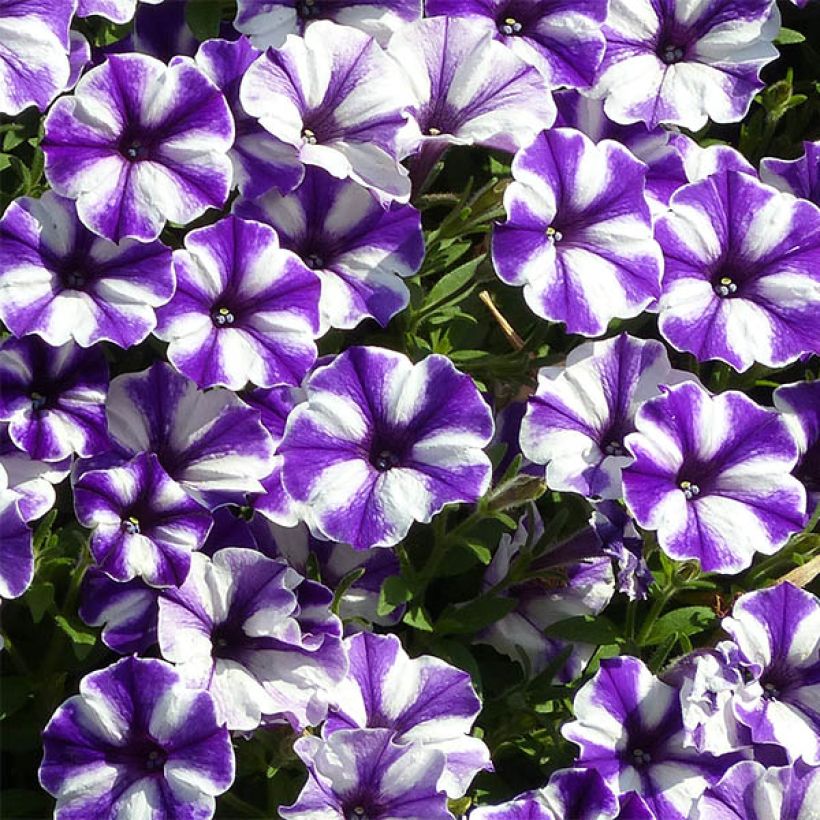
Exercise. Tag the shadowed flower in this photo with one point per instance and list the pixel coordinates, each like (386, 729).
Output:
(119, 11)
(800, 177)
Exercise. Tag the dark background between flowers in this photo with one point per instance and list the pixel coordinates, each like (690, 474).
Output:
(49, 649)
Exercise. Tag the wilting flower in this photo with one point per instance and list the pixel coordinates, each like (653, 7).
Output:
(628, 727)
(364, 773)
(622, 542)
(712, 476)
(244, 309)
(468, 88)
(127, 612)
(656, 147)
(800, 177)
(777, 632)
(579, 794)
(422, 700)
(338, 101)
(140, 143)
(741, 280)
(753, 792)
(268, 22)
(257, 636)
(60, 281)
(680, 64)
(360, 249)
(578, 235)
(563, 41)
(260, 161)
(136, 741)
(144, 523)
(16, 547)
(34, 45)
(53, 398)
(381, 442)
(210, 442)
(579, 415)
(800, 405)
(119, 11)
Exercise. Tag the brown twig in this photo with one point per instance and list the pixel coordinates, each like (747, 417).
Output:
(509, 331)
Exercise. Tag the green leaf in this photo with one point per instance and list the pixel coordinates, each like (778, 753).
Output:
(474, 616)
(690, 620)
(453, 281)
(40, 598)
(5, 161)
(417, 617)
(344, 585)
(789, 37)
(13, 138)
(481, 551)
(77, 632)
(515, 493)
(585, 629)
(394, 593)
(204, 18)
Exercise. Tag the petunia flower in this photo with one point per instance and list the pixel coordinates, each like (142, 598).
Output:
(135, 742)
(34, 47)
(144, 523)
(364, 773)
(680, 63)
(800, 177)
(244, 309)
(777, 632)
(211, 442)
(381, 442)
(562, 40)
(268, 22)
(741, 280)
(423, 700)
(800, 405)
(118, 11)
(360, 249)
(257, 636)
(338, 101)
(712, 475)
(61, 282)
(621, 541)
(700, 162)
(140, 143)
(467, 89)
(628, 728)
(16, 543)
(578, 235)
(53, 398)
(580, 413)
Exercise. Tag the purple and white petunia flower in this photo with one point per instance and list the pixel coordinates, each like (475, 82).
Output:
(800, 177)
(570, 794)
(160, 31)
(269, 22)
(365, 773)
(622, 542)
(681, 63)
(79, 56)
(468, 89)
(422, 700)
(16, 543)
(144, 523)
(118, 11)
(34, 46)
(382, 442)
(61, 282)
(140, 143)
(245, 310)
(127, 612)
(562, 40)
(338, 101)
(656, 147)
(628, 727)
(753, 792)
(211, 442)
(260, 161)
(777, 632)
(580, 413)
(712, 475)
(53, 398)
(800, 405)
(572, 579)
(257, 636)
(742, 272)
(700, 162)
(360, 250)
(136, 742)
(578, 235)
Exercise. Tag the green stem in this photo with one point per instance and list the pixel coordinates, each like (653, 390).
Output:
(658, 606)
(239, 805)
(16, 658)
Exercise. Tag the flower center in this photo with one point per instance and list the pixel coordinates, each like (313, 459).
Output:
(74, 280)
(432, 131)
(309, 136)
(155, 760)
(725, 286)
(690, 490)
(554, 234)
(770, 691)
(134, 150)
(614, 448)
(510, 26)
(131, 525)
(671, 54)
(314, 261)
(223, 317)
(640, 757)
(38, 401)
(308, 9)
(385, 460)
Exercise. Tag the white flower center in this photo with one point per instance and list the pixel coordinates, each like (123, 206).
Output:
(725, 286)
(690, 490)
(510, 26)
(132, 526)
(222, 317)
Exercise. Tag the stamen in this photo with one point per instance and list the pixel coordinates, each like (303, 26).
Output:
(671, 54)
(385, 460)
(725, 287)
(614, 449)
(222, 316)
(433, 131)
(38, 401)
(75, 280)
(314, 261)
(554, 234)
(510, 26)
(309, 136)
(690, 490)
(131, 525)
